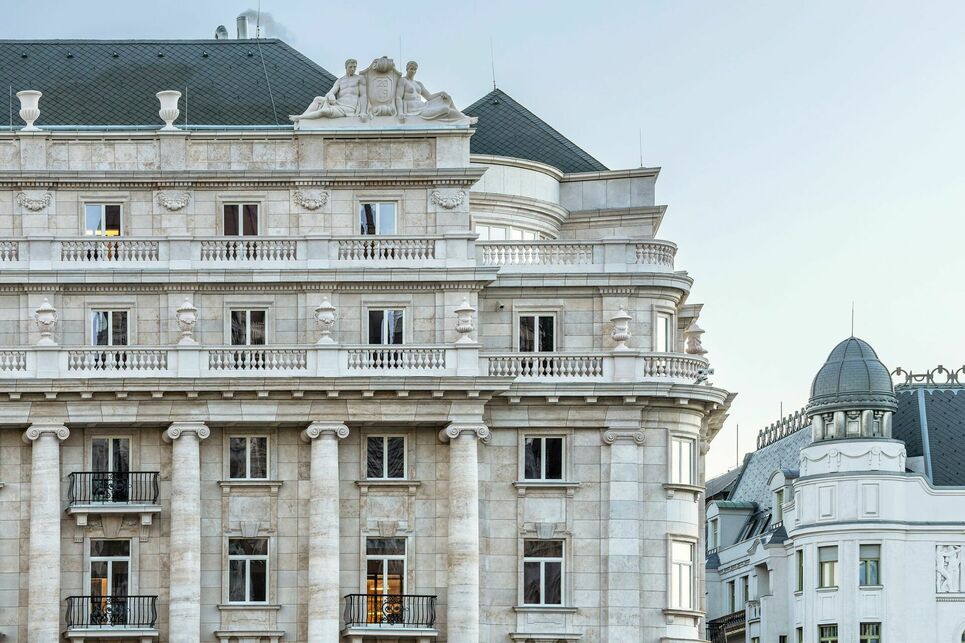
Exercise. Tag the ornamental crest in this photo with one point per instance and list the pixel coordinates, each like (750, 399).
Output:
(381, 81)
(310, 199)
(34, 200)
(447, 201)
(173, 201)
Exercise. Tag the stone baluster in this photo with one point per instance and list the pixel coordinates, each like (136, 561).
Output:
(323, 561)
(462, 610)
(43, 593)
(184, 600)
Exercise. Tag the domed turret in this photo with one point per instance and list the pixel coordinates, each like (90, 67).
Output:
(852, 395)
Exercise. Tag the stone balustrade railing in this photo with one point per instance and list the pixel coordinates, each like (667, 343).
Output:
(577, 256)
(616, 366)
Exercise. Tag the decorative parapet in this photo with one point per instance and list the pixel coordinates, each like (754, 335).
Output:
(782, 428)
(936, 376)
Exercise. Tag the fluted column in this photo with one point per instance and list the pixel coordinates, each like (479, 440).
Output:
(184, 592)
(462, 607)
(43, 593)
(323, 560)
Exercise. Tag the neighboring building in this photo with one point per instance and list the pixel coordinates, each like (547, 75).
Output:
(363, 379)
(848, 522)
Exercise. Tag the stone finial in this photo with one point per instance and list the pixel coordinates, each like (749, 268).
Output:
(29, 108)
(46, 318)
(325, 316)
(186, 316)
(621, 329)
(464, 321)
(169, 108)
(693, 345)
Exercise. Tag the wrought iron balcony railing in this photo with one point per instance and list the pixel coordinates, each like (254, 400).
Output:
(109, 487)
(107, 612)
(392, 610)
(719, 629)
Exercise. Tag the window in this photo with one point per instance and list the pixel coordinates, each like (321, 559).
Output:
(755, 639)
(799, 635)
(110, 566)
(779, 505)
(827, 566)
(110, 463)
(385, 455)
(543, 458)
(682, 461)
(713, 534)
(870, 633)
(799, 555)
(828, 633)
(248, 327)
(682, 575)
(782, 638)
(853, 423)
(385, 566)
(248, 458)
(102, 220)
(501, 233)
(377, 218)
(241, 219)
(663, 341)
(108, 328)
(537, 333)
(543, 572)
(247, 570)
(869, 565)
(745, 588)
(731, 596)
(386, 326)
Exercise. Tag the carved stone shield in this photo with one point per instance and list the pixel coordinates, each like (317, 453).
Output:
(381, 85)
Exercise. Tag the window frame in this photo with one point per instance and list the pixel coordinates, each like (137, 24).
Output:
(713, 533)
(383, 558)
(247, 309)
(676, 577)
(537, 315)
(799, 573)
(564, 450)
(248, 437)
(131, 557)
(863, 568)
(731, 596)
(868, 637)
(240, 204)
(828, 638)
(674, 462)
(661, 311)
(247, 558)
(542, 561)
(833, 567)
(110, 310)
(103, 205)
(378, 203)
(385, 455)
(406, 331)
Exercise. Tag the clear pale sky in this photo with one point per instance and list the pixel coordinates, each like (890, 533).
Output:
(813, 153)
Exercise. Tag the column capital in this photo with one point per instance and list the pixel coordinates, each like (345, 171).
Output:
(177, 429)
(456, 429)
(317, 429)
(37, 429)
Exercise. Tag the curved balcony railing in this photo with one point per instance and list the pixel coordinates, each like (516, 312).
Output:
(612, 366)
(719, 630)
(391, 611)
(112, 487)
(617, 255)
(109, 612)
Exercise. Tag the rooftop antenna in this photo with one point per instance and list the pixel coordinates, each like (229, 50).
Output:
(400, 49)
(852, 317)
(492, 61)
(737, 449)
(641, 147)
(258, 22)
(11, 107)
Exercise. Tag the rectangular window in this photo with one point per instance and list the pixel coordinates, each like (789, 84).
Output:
(241, 219)
(537, 333)
(386, 326)
(745, 589)
(108, 328)
(782, 638)
(497, 233)
(248, 458)
(248, 327)
(713, 534)
(755, 639)
(827, 566)
(682, 461)
(664, 336)
(731, 596)
(110, 463)
(247, 570)
(799, 635)
(543, 458)
(110, 568)
(799, 555)
(543, 572)
(377, 218)
(870, 633)
(827, 633)
(102, 220)
(779, 505)
(682, 575)
(385, 457)
(483, 232)
(869, 565)
(385, 566)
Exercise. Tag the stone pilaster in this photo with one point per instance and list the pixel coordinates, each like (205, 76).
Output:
(184, 599)
(462, 607)
(43, 594)
(323, 550)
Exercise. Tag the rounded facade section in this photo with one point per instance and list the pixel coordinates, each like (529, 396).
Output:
(852, 377)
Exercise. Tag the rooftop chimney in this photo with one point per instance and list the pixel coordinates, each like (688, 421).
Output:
(221, 33)
(242, 27)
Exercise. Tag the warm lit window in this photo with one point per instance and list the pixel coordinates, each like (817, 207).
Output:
(827, 566)
(110, 571)
(386, 326)
(682, 461)
(827, 634)
(682, 575)
(385, 457)
(543, 458)
(870, 633)
(109, 327)
(102, 220)
(247, 570)
(663, 341)
(248, 327)
(537, 333)
(240, 219)
(248, 457)
(869, 565)
(377, 218)
(543, 572)
(799, 555)
(385, 566)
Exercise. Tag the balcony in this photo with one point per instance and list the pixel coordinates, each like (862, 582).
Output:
(111, 617)
(395, 616)
(612, 255)
(753, 609)
(728, 628)
(616, 366)
(112, 495)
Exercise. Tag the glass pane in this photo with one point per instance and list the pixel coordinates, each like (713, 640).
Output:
(119, 328)
(257, 327)
(100, 454)
(119, 578)
(92, 220)
(515, 234)
(532, 459)
(367, 219)
(112, 220)
(395, 326)
(236, 455)
(527, 334)
(546, 334)
(870, 551)
(554, 458)
(396, 459)
(239, 326)
(250, 220)
(231, 220)
(681, 552)
(375, 326)
(106, 548)
(385, 546)
(375, 457)
(483, 232)
(497, 233)
(531, 590)
(386, 218)
(553, 581)
(663, 333)
(236, 580)
(258, 457)
(395, 577)
(98, 578)
(375, 577)
(122, 447)
(259, 580)
(99, 328)
(543, 548)
(248, 547)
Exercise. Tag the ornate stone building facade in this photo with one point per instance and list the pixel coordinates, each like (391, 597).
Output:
(394, 372)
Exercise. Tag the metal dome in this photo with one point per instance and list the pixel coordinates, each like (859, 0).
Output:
(852, 378)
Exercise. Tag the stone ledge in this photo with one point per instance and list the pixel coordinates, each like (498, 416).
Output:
(229, 607)
(141, 634)
(673, 487)
(545, 637)
(525, 486)
(546, 609)
(230, 486)
(354, 634)
(409, 486)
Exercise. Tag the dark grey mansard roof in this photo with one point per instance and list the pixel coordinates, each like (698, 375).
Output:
(852, 378)
(229, 82)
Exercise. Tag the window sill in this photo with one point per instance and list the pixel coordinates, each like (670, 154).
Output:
(523, 486)
(229, 607)
(228, 486)
(545, 609)
(673, 613)
(409, 486)
(871, 588)
(827, 590)
(673, 487)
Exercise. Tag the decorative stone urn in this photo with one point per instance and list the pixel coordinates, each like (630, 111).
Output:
(186, 316)
(692, 344)
(46, 318)
(169, 108)
(30, 108)
(464, 321)
(621, 329)
(325, 317)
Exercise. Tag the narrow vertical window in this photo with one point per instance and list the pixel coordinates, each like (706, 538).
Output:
(384, 579)
(664, 335)
(799, 555)
(779, 505)
(240, 219)
(682, 461)
(110, 464)
(247, 570)
(248, 327)
(248, 458)
(386, 326)
(827, 566)
(869, 565)
(110, 573)
(799, 635)
(385, 457)
(731, 596)
(543, 458)
(713, 534)
(377, 218)
(537, 333)
(682, 575)
(745, 588)
(543, 572)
